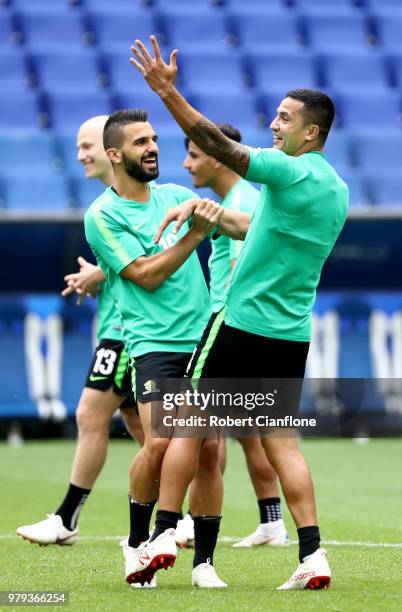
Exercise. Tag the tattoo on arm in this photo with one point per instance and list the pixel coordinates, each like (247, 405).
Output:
(206, 135)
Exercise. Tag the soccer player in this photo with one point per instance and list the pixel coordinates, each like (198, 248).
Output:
(238, 195)
(164, 305)
(108, 383)
(264, 329)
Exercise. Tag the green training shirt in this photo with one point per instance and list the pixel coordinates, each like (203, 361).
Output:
(109, 322)
(119, 231)
(300, 214)
(241, 197)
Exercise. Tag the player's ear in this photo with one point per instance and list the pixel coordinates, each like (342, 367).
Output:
(114, 155)
(313, 132)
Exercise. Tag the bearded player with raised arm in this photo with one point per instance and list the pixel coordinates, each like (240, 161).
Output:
(264, 329)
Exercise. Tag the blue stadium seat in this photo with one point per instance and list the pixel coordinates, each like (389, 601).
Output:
(24, 149)
(281, 71)
(378, 150)
(75, 71)
(171, 149)
(217, 71)
(184, 4)
(65, 144)
(273, 30)
(395, 63)
(385, 188)
(158, 114)
(121, 74)
(337, 149)
(127, 6)
(19, 110)
(359, 71)
(117, 30)
(388, 27)
(9, 31)
(239, 109)
(36, 192)
(85, 191)
(45, 30)
(358, 194)
(14, 74)
(196, 28)
(375, 110)
(48, 5)
(68, 110)
(326, 29)
(380, 4)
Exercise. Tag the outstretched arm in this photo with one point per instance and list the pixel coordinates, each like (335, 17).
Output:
(203, 132)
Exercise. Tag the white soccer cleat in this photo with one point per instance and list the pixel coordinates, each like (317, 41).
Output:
(269, 534)
(314, 573)
(49, 531)
(148, 558)
(185, 532)
(205, 577)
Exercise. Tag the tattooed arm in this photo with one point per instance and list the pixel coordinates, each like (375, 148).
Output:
(203, 132)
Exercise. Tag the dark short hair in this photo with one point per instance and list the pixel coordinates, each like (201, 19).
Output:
(112, 132)
(227, 129)
(318, 109)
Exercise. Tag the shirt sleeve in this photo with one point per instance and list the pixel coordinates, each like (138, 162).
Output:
(274, 168)
(111, 241)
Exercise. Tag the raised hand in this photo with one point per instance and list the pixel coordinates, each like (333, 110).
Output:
(85, 282)
(206, 216)
(179, 213)
(155, 71)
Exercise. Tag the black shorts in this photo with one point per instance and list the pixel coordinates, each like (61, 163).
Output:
(148, 368)
(110, 367)
(227, 352)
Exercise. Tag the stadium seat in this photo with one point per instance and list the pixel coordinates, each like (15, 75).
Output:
(354, 71)
(24, 149)
(68, 110)
(73, 71)
(121, 74)
(115, 30)
(271, 30)
(282, 71)
(358, 194)
(85, 191)
(66, 151)
(326, 29)
(380, 4)
(303, 4)
(45, 30)
(239, 109)
(395, 64)
(255, 4)
(385, 188)
(217, 70)
(158, 114)
(14, 74)
(196, 28)
(36, 192)
(48, 5)
(388, 27)
(19, 110)
(378, 150)
(337, 149)
(127, 6)
(9, 31)
(374, 110)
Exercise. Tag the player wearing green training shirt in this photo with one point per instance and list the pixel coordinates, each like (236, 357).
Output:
(265, 331)
(163, 301)
(237, 195)
(108, 382)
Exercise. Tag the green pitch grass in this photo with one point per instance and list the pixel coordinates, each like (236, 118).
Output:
(358, 491)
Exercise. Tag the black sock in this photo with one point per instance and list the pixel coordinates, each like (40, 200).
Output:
(164, 520)
(71, 505)
(181, 515)
(140, 517)
(309, 541)
(206, 529)
(270, 509)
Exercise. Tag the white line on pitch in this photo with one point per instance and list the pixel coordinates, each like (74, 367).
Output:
(7, 536)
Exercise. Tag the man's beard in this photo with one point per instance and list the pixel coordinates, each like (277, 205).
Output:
(136, 170)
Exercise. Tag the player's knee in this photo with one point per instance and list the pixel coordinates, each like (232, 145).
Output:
(88, 421)
(156, 447)
(209, 454)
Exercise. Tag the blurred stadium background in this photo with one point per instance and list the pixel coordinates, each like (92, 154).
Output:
(62, 62)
